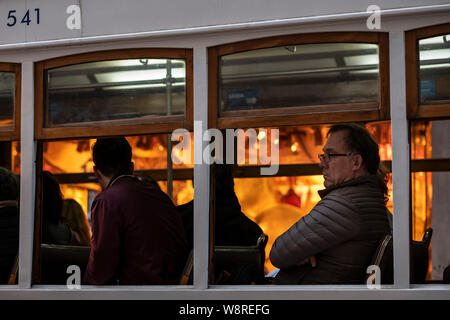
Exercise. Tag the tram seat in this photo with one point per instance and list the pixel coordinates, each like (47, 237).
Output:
(446, 275)
(14, 271)
(186, 275)
(383, 259)
(56, 259)
(228, 258)
(420, 257)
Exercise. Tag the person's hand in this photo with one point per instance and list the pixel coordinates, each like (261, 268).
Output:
(311, 260)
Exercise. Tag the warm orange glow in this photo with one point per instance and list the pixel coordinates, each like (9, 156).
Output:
(79, 192)
(421, 181)
(15, 157)
(75, 156)
(6, 122)
(183, 191)
(294, 147)
(276, 203)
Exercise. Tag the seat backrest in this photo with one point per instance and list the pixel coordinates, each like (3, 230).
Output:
(14, 271)
(383, 258)
(242, 260)
(56, 259)
(186, 275)
(420, 257)
(446, 275)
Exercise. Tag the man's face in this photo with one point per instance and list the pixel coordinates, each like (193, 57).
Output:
(336, 169)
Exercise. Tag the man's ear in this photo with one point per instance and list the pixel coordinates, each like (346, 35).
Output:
(357, 162)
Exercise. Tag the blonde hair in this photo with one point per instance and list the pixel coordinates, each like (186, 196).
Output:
(77, 220)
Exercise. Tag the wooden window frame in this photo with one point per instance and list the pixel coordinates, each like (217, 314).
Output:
(75, 178)
(292, 116)
(414, 109)
(125, 127)
(12, 132)
(417, 111)
(163, 124)
(426, 165)
(299, 115)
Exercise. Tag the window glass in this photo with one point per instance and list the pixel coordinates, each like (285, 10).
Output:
(429, 196)
(71, 165)
(434, 72)
(182, 158)
(115, 90)
(75, 156)
(425, 135)
(276, 202)
(63, 158)
(7, 91)
(300, 75)
(296, 145)
(15, 157)
(430, 206)
(183, 191)
(9, 213)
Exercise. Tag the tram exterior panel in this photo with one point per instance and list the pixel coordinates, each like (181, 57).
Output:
(40, 34)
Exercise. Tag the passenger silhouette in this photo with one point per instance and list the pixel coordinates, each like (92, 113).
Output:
(54, 228)
(137, 234)
(9, 222)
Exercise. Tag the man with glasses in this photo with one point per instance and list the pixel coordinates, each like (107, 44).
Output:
(335, 242)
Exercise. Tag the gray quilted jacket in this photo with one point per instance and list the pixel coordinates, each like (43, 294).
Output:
(342, 231)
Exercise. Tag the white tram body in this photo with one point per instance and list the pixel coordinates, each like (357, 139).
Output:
(43, 30)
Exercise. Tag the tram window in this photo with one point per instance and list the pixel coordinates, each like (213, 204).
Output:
(120, 89)
(434, 70)
(9, 209)
(428, 72)
(430, 177)
(7, 96)
(15, 157)
(70, 162)
(123, 92)
(275, 203)
(300, 75)
(296, 79)
(10, 85)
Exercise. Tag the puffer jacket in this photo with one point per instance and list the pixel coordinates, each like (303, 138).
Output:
(342, 231)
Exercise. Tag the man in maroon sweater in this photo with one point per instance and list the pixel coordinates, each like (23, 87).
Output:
(137, 234)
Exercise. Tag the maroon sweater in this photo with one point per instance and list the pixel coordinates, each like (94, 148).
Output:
(137, 236)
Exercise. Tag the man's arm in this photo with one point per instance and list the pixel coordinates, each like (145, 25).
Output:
(105, 244)
(332, 221)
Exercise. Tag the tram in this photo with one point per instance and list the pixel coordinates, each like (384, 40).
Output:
(275, 72)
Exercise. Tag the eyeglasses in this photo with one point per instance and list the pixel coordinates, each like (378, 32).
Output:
(327, 156)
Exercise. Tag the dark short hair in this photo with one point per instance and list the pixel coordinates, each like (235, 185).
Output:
(112, 156)
(9, 185)
(359, 141)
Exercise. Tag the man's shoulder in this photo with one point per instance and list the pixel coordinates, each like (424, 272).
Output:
(361, 184)
(113, 193)
(121, 185)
